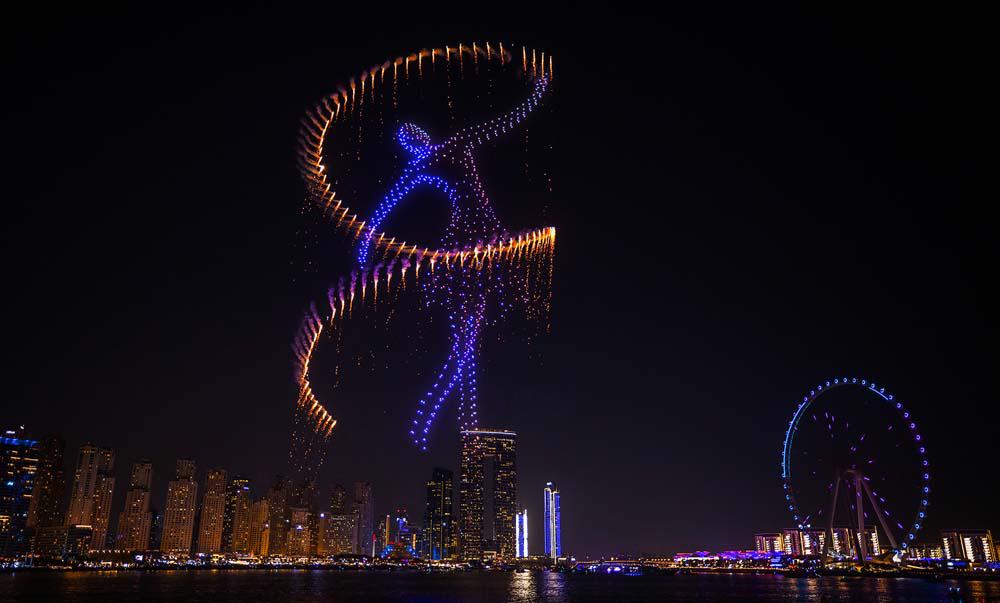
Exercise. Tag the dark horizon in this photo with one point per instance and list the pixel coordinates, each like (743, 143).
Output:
(749, 202)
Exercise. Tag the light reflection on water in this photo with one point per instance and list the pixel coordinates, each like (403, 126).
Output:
(320, 586)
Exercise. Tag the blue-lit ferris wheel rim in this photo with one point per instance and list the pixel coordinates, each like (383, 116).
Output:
(814, 394)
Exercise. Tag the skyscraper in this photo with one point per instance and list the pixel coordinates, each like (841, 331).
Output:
(551, 517)
(305, 496)
(259, 528)
(179, 512)
(488, 492)
(521, 533)
(93, 491)
(50, 484)
(384, 535)
(438, 514)
(341, 524)
(213, 510)
(364, 505)
(299, 535)
(277, 509)
(136, 520)
(19, 464)
(238, 516)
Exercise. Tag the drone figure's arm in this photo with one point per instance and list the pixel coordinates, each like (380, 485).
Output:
(493, 128)
(403, 187)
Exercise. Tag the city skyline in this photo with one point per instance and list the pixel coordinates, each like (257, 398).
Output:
(767, 219)
(310, 532)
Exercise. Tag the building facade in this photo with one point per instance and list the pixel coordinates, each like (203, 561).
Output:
(277, 507)
(45, 509)
(521, 534)
(180, 510)
(364, 509)
(488, 494)
(341, 524)
(439, 515)
(260, 528)
(19, 456)
(92, 493)
(553, 522)
(135, 522)
(60, 543)
(299, 534)
(236, 534)
(800, 542)
(974, 546)
(770, 542)
(213, 511)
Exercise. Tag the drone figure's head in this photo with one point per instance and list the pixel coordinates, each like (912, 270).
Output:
(415, 140)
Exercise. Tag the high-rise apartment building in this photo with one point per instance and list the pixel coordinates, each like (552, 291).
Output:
(553, 522)
(259, 528)
(179, 512)
(92, 493)
(305, 495)
(50, 483)
(438, 514)
(299, 534)
(364, 509)
(213, 511)
(19, 465)
(341, 523)
(238, 516)
(135, 522)
(488, 493)
(277, 507)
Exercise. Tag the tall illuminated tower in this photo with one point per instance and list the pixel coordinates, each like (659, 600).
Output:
(136, 520)
(553, 531)
(488, 490)
(19, 463)
(93, 491)
(50, 483)
(237, 518)
(342, 523)
(438, 514)
(178, 515)
(364, 505)
(213, 510)
(277, 509)
(521, 533)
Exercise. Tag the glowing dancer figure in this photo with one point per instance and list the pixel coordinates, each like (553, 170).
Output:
(450, 167)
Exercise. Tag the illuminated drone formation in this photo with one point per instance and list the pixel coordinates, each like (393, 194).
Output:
(851, 452)
(477, 260)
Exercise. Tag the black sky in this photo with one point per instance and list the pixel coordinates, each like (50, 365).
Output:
(749, 201)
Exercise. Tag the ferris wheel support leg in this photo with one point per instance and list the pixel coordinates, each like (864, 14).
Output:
(829, 523)
(881, 516)
(862, 545)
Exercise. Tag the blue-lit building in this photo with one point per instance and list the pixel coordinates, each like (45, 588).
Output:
(19, 463)
(553, 531)
(521, 534)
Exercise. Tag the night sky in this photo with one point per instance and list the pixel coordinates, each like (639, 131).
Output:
(749, 201)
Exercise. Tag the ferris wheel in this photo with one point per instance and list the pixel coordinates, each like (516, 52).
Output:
(855, 470)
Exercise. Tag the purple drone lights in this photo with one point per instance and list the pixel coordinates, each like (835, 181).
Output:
(450, 167)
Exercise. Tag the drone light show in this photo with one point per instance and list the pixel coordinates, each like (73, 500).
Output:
(369, 144)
